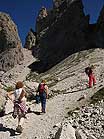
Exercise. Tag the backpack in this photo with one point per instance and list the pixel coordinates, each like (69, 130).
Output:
(88, 70)
(41, 88)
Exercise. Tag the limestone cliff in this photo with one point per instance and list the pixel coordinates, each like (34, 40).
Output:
(42, 20)
(100, 29)
(65, 32)
(8, 33)
(9, 58)
(30, 40)
(10, 44)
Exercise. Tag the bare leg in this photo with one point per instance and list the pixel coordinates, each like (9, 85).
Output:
(21, 121)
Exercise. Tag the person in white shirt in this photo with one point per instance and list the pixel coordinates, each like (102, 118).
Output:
(19, 104)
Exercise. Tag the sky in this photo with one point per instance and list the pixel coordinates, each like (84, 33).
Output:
(24, 12)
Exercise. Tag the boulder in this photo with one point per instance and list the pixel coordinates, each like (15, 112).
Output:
(80, 135)
(66, 132)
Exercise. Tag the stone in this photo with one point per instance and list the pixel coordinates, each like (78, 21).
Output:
(68, 132)
(57, 125)
(79, 134)
(31, 85)
(5, 135)
(91, 137)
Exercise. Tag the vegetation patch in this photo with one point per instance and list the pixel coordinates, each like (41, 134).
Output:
(9, 88)
(98, 96)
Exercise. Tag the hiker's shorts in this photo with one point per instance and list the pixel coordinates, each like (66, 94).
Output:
(19, 109)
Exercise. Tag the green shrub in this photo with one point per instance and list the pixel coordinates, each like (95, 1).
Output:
(9, 88)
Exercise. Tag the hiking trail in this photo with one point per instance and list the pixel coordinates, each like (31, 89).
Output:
(39, 126)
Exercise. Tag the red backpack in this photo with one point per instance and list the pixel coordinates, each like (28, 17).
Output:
(88, 70)
(41, 88)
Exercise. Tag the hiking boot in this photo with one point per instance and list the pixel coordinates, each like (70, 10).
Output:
(94, 84)
(19, 129)
(43, 112)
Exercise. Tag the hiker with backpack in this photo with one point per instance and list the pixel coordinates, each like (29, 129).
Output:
(19, 104)
(89, 72)
(43, 93)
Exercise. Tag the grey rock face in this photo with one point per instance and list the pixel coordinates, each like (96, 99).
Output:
(10, 58)
(100, 29)
(66, 30)
(30, 40)
(41, 21)
(58, 3)
(10, 44)
(8, 33)
(43, 13)
(64, 33)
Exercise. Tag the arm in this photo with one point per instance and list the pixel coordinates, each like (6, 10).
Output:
(46, 88)
(9, 94)
(37, 91)
(23, 93)
(38, 88)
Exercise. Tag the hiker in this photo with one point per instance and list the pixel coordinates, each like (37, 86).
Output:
(89, 72)
(43, 93)
(19, 104)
